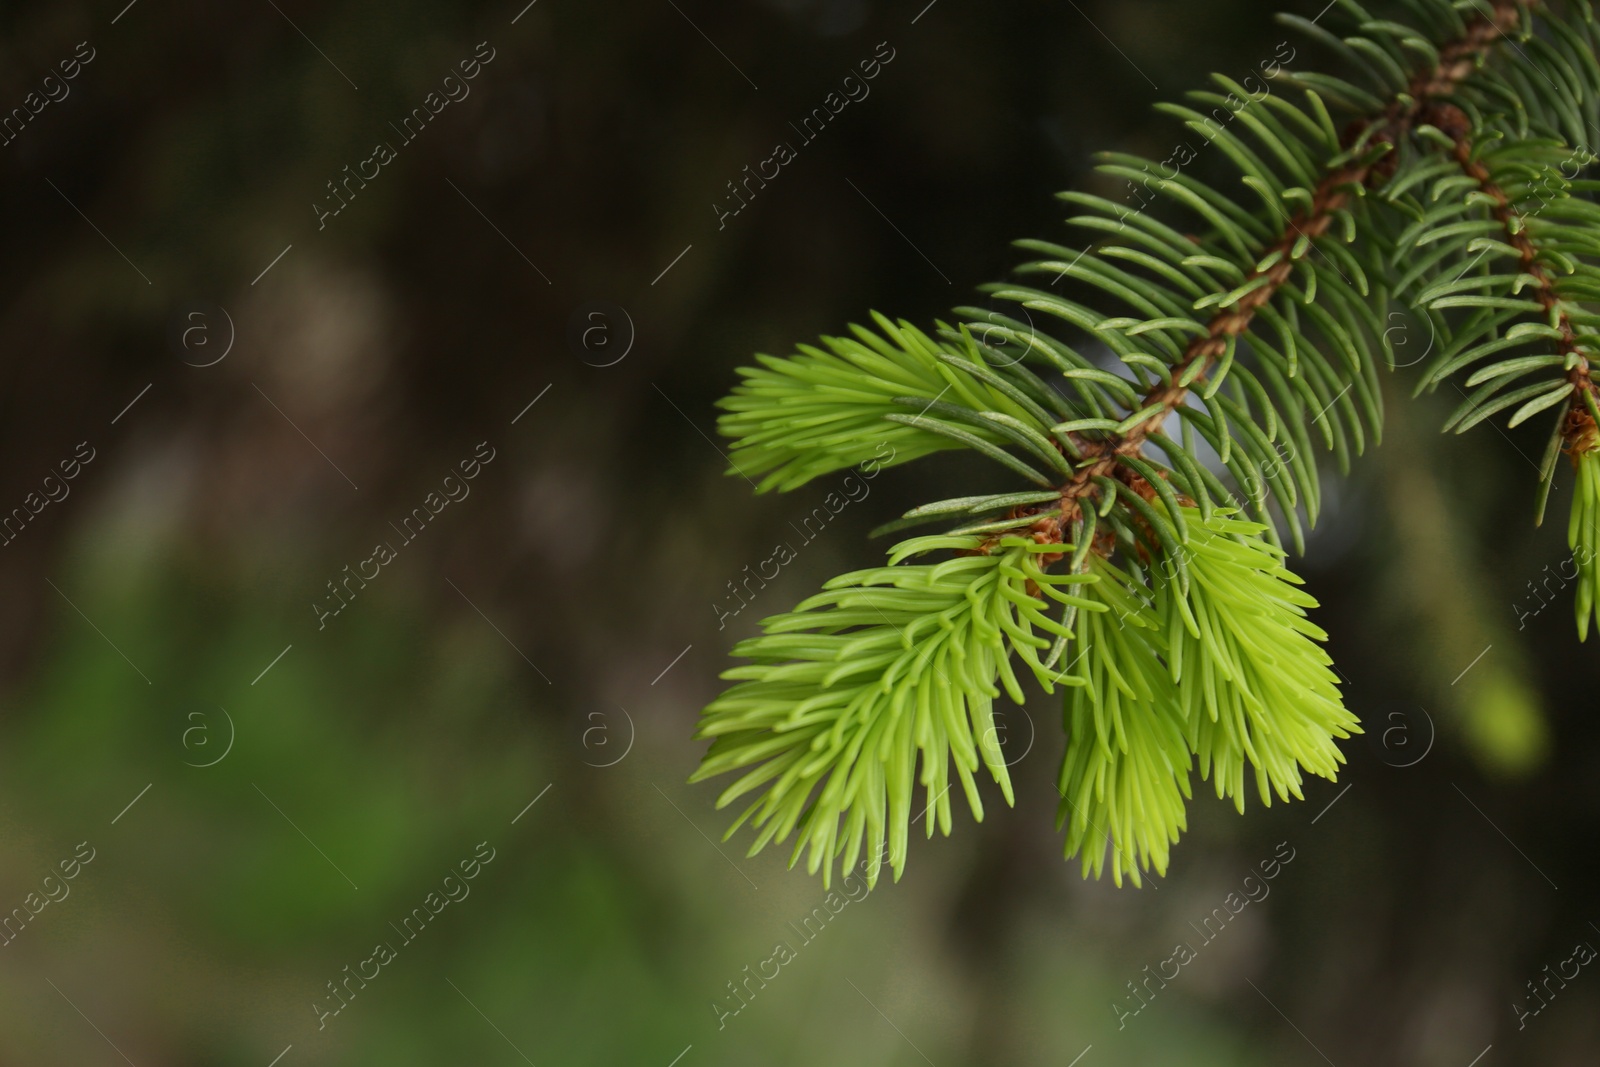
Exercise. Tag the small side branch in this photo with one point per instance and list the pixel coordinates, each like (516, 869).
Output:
(1103, 456)
(1579, 433)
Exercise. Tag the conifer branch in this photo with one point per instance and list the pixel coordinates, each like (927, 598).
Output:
(1578, 431)
(1191, 646)
(1457, 60)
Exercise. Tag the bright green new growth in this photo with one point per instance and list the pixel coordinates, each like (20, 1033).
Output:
(1125, 779)
(1266, 699)
(849, 688)
(1203, 345)
(822, 411)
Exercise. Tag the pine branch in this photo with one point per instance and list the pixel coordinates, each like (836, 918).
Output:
(1254, 320)
(1575, 431)
(1456, 61)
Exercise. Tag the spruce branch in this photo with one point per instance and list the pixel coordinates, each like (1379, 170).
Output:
(1371, 142)
(1248, 321)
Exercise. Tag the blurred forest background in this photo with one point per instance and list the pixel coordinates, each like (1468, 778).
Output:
(257, 824)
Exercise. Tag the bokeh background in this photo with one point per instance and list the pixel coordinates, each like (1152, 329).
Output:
(265, 793)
